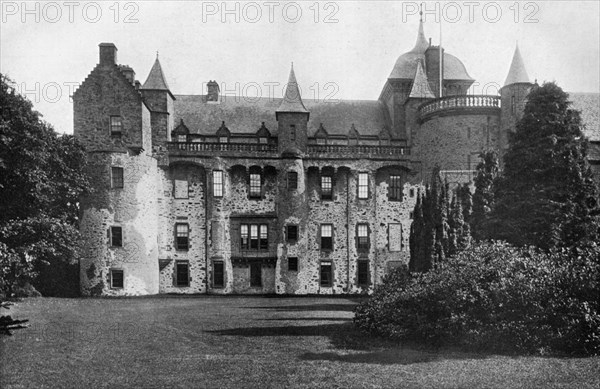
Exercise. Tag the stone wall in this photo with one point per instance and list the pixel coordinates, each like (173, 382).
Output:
(134, 209)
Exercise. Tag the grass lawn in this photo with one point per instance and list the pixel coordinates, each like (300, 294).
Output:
(210, 341)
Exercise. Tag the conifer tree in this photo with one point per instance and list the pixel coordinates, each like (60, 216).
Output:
(483, 198)
(547, 196)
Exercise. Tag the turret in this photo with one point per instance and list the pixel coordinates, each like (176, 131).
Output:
(159, 99)
(514, 94)
(292, 117)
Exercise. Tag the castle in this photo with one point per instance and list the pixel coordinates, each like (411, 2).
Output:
(223, 195)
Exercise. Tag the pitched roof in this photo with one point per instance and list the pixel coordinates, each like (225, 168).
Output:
(292, 101)
(517, 72)
(156, 78)
(420, 87)
(245, 115)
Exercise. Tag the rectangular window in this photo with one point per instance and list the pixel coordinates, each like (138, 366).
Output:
(245, 241)
(255, 274)
(255, 185)
(362, 238)
(395, 188)
(116, 279)
(182, 233)
(293, 132)
(254, 236)
(264, 237)
(292, 180)
(326, 188)
(326, 237)
(217, 183)
(363, 272)
(180, 189)
(293, 264)
(116, 125)
(117, 177)
(363, 185)
(326, 274)
(321, 141)
(182, 138)
(182, 273)
(223, 139)
(292, 233)
(116, 236)
(512, 104)
(218, 274)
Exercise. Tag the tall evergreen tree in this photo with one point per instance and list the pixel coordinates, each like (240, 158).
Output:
(483, 198)
(547, 196)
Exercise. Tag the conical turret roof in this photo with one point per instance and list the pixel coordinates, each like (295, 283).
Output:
(156, 78)
(421, 44)
(292, 101)
(517, 72)
(420, 87)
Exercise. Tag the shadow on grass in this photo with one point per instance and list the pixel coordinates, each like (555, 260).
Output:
(309, 319)
(312, 307)
(400, 356)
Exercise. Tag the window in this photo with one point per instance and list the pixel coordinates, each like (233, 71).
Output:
(411, 215)
(217, 183)
(363, 185)
(326, 276)
(264, 237)
(292, 233)
(117, 177)
(321, 141)
(182, 273)
(326, 237)
(245, 242)
(180, 189)
(116, 125)
(395, 189)
(292, 180)
(263, 140)
(326, 188)
(255, 185)
(362, 239)
(412, 193)
(218, 274)
(255, 274)
(223, 139)
(293, 132)
(116, 279)
(512, 104)
(116, 236)
(254, 236)
(293, 264)
(363, 272)
(182, 138)
(182, 233)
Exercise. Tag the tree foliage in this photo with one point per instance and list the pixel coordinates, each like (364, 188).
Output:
(440, 225)
(483, 199)
(41, 180)
(497, 297)
(546, 195)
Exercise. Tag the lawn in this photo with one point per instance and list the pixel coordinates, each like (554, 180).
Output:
(210, 341)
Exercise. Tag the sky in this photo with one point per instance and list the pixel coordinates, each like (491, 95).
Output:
(339, 49)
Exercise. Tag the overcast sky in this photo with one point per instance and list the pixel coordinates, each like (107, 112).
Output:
(340, 49)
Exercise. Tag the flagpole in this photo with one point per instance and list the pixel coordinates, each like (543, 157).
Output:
(441, 63)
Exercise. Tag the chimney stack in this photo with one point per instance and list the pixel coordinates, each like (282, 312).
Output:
(108, 54)
(129, 73)
(212, 93)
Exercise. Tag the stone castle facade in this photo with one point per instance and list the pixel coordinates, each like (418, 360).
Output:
(215, 194)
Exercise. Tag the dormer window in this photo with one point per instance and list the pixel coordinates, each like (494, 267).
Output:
(262, 140)
(116, 125)
(223, 133)
(223, 139)
(181, 138)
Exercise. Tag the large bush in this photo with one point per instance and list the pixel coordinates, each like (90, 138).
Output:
(497, 297)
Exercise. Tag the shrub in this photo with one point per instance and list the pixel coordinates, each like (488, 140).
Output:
(495, 296)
